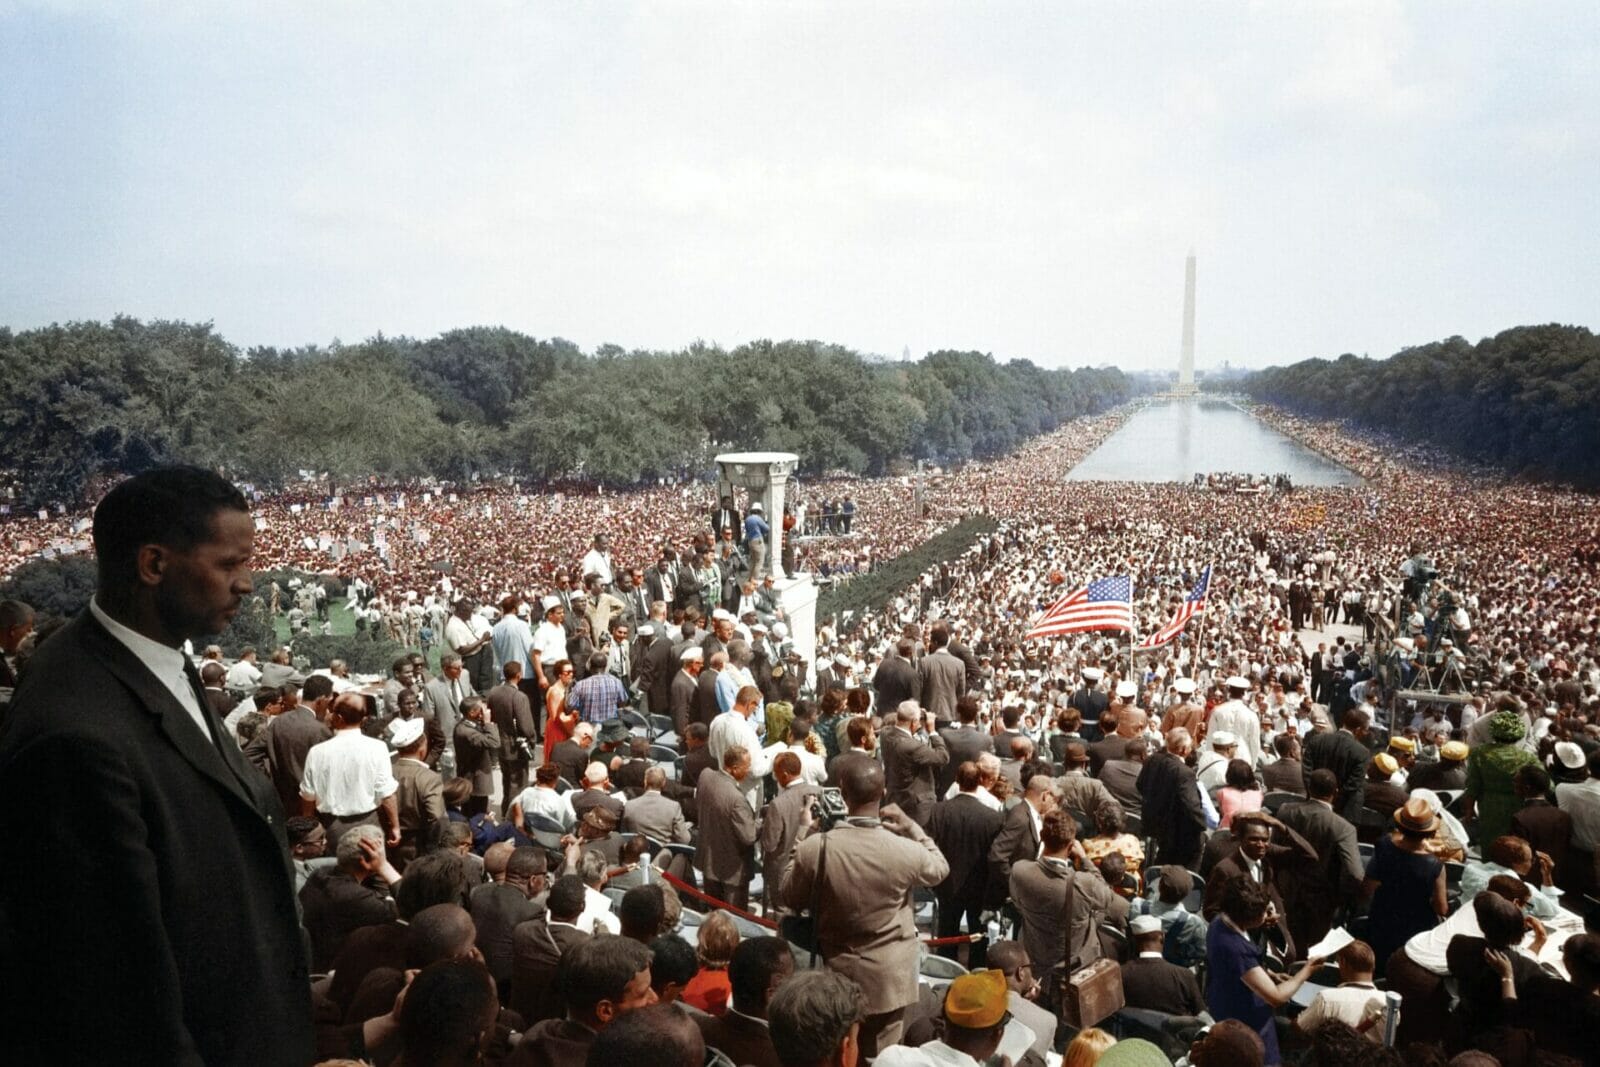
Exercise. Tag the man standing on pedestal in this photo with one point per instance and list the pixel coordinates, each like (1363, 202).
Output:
(756, 533)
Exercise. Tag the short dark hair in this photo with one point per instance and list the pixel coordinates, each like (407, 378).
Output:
(1499, 919)
(171, 506)
(1323, 783)
(433, 878)
(299, 827)
(660, 1034)
(449, 1005)
(437, 932)
(1244, 900)
(672, 959)
(599, 969)
(527, 862)
(317, 686)
(566, 897)
(811, 1015)
(750, 972)
(640, 910)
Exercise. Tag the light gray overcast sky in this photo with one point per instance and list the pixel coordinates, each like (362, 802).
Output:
(1022, 179)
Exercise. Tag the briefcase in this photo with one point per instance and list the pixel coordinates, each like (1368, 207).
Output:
(1092, 994)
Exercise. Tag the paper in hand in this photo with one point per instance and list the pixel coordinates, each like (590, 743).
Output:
(1336, 939)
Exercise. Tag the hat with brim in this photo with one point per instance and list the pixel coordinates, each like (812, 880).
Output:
(1126, 690)
(550, 603)
(977, 1001)
(1091, 674)
(692, 653)
(403, 733)
(1184, 686)
(1237, 682)
(1145, 924)
(1416, 816)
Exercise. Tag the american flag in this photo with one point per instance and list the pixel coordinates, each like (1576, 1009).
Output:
(1192, 605)
(1103, 604)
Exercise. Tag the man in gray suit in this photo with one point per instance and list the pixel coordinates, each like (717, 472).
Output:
(286, 739)
(964, 740)
(912, 755)
(780, 823)
(943, 676)
(443, 696)
(726, 854)
(657, 817)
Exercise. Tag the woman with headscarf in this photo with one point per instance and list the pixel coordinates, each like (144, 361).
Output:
(1490, 771)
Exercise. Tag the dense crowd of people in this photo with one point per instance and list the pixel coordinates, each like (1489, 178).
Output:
(1350, 815)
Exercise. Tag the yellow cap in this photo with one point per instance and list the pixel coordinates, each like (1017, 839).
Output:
(977, 1001)
(1402, 744)
(1454, 751)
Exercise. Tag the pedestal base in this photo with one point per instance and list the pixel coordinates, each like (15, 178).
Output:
(798, 598)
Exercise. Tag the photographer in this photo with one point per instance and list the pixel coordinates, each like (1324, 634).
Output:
(857, 880)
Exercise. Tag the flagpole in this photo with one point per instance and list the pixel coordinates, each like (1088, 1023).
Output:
(1133, 631)
(1194, 663)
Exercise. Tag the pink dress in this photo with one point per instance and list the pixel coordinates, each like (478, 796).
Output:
(1231, 802)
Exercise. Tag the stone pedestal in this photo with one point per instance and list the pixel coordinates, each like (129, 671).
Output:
(765, 476)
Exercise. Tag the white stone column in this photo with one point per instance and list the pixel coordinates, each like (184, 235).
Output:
(765, 475)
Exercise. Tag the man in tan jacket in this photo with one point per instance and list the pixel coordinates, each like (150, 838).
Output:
(865, 922)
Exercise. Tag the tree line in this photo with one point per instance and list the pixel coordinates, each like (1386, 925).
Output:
(83, 400)
(1526, 400)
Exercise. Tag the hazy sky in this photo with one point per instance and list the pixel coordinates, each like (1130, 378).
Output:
(1023, 179)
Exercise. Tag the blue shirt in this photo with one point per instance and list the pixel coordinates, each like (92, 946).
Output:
(755, 526)
(1229, 957)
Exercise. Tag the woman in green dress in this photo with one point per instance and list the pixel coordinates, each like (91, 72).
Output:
(1490, 769)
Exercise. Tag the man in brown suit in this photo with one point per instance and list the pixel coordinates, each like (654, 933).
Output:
(1039, 890)
(419, 800)
(866, 928)
(725, 856)
(477, 744)
(912, 754)
(780, 824)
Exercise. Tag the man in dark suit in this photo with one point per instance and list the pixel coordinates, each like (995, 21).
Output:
(1150, 982)
(912, 754)
(964, 740)
(1089, 699)
(1544, 826)
(1260, 859)
(1344, 752)
(759, 966)
(706, 707)
(895, 680)
(1285, 774)
(1120, 776)
(1018, 838)
(965, 829)
(683, 695)
(286, 739)
(212, 675)
(697, 760)
(171, 889)
(1313, 892)
(1172, 812)
(512, 715)
(537, 946)
(572, 755)
(780, 823)
(500, 906)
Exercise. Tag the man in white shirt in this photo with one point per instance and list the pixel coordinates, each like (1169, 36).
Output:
(348, 779)
(598, 561)
(1355, 1001)
(468, 635)
(591, 866)
(549, 642)
(733, 728)
(1211, 769)
(244, 675)
(1239, 719)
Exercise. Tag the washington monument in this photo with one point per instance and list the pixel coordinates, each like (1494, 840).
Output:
(1186, 358)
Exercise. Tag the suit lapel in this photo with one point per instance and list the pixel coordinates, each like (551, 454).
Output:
(173, 718)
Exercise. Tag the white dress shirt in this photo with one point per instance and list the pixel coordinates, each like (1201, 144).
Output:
(163, 662)
(349, 774)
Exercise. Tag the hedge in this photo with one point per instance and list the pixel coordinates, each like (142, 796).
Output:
(873, 591)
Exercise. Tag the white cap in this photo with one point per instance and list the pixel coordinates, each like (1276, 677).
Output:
(1092, 674)
(551, 601)
(723, 614)
(756, 506)
(1184, 685)
(404, 732)
(1126, 690)
(1237, 682)
(1222, 739)
(1570, 755)
(646, 630)
(1144, 924)
(843, 661)
(757, 628)
(693, 652)
(779, 630)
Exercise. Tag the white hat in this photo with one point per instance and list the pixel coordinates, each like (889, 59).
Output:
(646, 630)
(757, 628)
(691, 653)
(404, 732)
(1126, 690)
(1144, 924)
(549, 602)
(1092, 674)
(722, 614)
(1237, 682)
(1222, 739)
(1184, 685)
(842, 660)
(756, 506)
(1570, 755)
(779, 630)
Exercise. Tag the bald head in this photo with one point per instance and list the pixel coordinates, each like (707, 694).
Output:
(1131, 722)
(862, 785)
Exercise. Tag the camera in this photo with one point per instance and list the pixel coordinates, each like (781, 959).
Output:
(828, 808)
(525, 748)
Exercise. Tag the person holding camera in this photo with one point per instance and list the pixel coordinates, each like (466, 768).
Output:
(512, 714)
(913, 752)
(857, 879)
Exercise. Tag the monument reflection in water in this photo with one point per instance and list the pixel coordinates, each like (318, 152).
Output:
(1173, 440)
